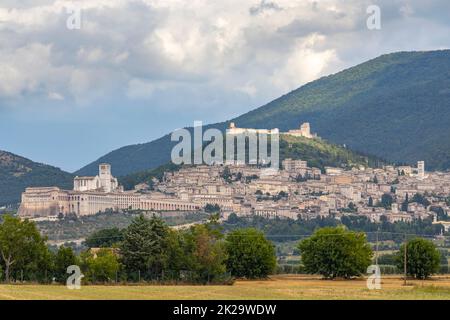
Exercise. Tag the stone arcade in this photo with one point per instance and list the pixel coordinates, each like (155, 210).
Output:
(95, 194)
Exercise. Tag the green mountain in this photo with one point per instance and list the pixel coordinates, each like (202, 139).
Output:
(320, 153)
(17, 173)
(317, 152)
(396, 106)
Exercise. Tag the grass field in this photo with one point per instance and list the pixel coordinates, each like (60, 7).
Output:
(279, 287)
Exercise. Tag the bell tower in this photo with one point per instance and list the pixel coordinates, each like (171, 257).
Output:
(105, 176)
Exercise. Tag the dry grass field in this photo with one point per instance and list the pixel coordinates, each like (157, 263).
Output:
(279, 287)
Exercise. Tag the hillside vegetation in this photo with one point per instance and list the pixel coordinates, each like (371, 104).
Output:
(396, 106)
(320, 153)
(317, 152)
(17, 173)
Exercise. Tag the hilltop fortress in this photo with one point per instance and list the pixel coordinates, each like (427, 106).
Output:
(303, 131)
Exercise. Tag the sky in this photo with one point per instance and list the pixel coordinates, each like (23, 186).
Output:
(79, 79)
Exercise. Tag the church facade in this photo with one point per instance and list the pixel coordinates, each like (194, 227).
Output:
(92, 195)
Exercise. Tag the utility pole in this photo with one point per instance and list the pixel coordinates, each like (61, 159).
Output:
(376, 250)
(404, 260)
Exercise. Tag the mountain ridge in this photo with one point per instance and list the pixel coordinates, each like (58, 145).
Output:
(395, 106)
(18, 173)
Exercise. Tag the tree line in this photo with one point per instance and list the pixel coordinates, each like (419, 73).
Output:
(292, 230)
(147, 250)
(336, 252)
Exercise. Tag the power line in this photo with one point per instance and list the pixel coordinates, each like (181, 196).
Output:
(310, 235)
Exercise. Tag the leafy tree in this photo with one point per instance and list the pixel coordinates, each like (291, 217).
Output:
(387, 200)
(64, 258)
(440, 213)
(422, 258)
(352, 207)
(282, 194)
(212, 208)
(250, 254)
(177, 259)
(104, 238)
(233, 218)
(101, 266)
(144, 247)
(335, 252)
(226, 175)
(291, 228)
(405, 204)
(21, 246)
(420, 198)
(206, 252)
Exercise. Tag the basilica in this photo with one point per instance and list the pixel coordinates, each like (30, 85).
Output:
(95, 194)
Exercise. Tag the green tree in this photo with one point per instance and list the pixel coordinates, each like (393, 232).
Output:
(421, 199)
(206, 254)
(250, 254)
(101, 266)
(104, 238)
(22, 247)
(144, 247)
(386, 200)
(64, 257)
(405, 204)
(212, 208)
(422, 258)
(226, 175)
(282, 194)
(177, 260)
(335, 252)
(352, 207)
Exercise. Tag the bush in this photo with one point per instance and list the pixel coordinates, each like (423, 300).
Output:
(422, 258)
(250, 254)
(101, 266)
(335, 252)
(64, 258)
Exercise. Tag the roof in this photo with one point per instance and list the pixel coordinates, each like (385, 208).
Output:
(85, 178)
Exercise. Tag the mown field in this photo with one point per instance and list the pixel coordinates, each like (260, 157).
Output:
(279, 287)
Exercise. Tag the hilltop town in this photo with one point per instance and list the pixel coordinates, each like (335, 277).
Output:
(391, 193)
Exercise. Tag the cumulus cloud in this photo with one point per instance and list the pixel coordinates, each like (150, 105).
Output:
(160, 64)
(145, 49)
(263, 6)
